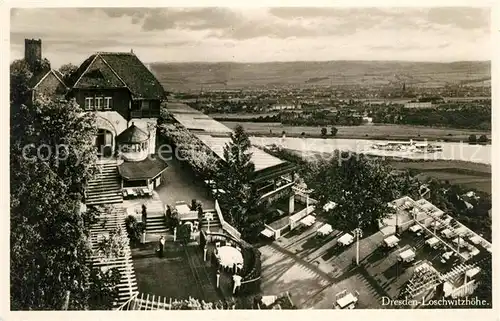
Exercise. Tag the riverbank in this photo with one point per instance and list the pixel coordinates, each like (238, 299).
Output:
(370, 132)
(467, 174)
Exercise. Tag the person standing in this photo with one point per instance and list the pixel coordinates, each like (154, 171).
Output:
(144, 215)
(218, 278)
(161, 246)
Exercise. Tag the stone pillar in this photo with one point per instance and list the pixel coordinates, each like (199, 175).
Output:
(291, 204)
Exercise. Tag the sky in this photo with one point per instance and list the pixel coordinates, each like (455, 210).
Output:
(213, 34)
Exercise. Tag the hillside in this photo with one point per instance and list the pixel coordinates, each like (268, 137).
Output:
(190, 76)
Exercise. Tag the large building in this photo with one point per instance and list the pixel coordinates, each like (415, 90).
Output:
(126, 98)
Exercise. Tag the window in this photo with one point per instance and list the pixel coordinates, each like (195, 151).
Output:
(145, 105)
(98, 103)
(89, 103)
(107, 102)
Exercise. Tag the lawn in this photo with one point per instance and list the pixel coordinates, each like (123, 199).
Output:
(378, 131)
(472, 175)
(179, 274)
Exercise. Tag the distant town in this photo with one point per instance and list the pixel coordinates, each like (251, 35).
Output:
(290, 192)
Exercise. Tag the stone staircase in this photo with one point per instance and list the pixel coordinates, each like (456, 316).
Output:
(156, 218)
(106, 187)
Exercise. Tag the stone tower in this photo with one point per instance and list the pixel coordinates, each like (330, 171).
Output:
(32, 51)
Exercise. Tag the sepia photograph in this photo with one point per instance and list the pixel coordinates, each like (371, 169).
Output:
(250, 158)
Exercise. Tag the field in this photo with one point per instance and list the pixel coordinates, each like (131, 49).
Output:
(472, 175)
(225, 76)
(362, 132)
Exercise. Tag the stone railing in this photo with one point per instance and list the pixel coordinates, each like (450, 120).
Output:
(228, 228)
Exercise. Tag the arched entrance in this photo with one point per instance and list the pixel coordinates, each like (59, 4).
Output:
(104, 142)
(105, 138)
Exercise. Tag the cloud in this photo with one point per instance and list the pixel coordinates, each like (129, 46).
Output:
(262, 34)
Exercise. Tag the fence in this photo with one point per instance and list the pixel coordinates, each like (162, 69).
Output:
(150, 303)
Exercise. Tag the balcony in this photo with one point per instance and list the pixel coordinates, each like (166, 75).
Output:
(144, 113)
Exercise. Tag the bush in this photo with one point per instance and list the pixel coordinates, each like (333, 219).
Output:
(472, 138)
(323, 131)
(184, 233)
(134, 229)
(482, 139)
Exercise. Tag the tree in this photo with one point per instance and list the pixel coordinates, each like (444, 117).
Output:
(20, 74)
(360, 186)
(323, 131)
(334, 131)
(67, 70)
(102, 291)
(472, 138)
(51, 158)
(184, 233)
(237, 172)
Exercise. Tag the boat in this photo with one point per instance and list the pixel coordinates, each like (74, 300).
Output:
(410, 146)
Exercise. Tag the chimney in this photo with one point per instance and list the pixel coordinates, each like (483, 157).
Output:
(32, 51)
(131, 51)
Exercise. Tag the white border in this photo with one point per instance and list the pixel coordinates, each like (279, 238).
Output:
(238, 314)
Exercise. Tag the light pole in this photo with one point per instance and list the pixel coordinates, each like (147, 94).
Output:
(209, 217)
(358, 233)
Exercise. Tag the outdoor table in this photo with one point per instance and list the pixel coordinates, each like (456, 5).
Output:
(268, 299)
(267, 233)
(346, 239)
(325, 229)
(447, 255)
(436, 224)
(130, 191)
(476, 239)
(459, 239)
(308, 220)
(329, 206)
(188, 216)
(472, 272)
(182, 208)
(407, 256)
(391, 241)
(433, 241)
(229, 256)
(347, 301)
(447, 232)
(474, 251)
(416, 228)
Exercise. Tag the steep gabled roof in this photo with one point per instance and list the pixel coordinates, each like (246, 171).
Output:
(118, 70)
(37, 78)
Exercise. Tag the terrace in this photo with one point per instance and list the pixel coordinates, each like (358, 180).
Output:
(384, 271)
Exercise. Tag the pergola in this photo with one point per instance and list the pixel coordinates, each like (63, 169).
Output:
(106, 223)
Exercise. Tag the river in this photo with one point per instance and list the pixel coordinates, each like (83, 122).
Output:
(451, 151)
